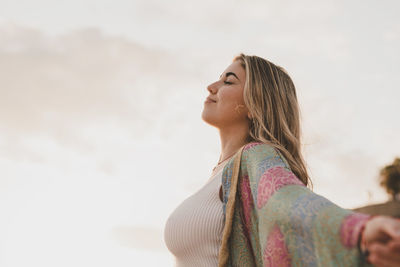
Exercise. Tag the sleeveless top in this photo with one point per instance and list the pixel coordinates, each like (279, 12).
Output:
(193, 231)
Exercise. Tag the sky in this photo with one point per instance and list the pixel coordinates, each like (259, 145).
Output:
(101, 136)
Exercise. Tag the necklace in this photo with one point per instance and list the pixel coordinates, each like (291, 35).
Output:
(219, 163)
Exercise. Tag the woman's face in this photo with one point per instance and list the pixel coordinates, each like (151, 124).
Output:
(225, 105)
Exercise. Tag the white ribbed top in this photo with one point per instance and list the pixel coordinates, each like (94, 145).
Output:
(193, 231)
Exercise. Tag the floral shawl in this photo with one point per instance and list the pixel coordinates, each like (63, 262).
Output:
(272, 219)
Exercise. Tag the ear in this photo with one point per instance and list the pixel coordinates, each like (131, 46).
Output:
(249, 115)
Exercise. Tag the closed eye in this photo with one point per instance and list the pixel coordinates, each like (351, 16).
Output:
(226, 82)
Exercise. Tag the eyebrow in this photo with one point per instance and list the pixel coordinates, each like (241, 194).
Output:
(229, 74)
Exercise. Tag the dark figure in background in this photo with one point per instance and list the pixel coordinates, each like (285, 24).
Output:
(390, 180)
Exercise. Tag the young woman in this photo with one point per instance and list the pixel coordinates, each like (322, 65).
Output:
(256, 209)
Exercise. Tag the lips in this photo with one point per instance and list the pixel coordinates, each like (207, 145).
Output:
(210, 100)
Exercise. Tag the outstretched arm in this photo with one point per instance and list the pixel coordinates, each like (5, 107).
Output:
(294, 226)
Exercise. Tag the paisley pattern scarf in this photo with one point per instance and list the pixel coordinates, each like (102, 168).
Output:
(272, 219)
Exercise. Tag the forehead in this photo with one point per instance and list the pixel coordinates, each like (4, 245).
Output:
(236, 67)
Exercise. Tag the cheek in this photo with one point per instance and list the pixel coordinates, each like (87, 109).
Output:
(232, 103)
(232, 97)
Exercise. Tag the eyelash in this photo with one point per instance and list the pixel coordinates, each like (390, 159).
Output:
(225, 82)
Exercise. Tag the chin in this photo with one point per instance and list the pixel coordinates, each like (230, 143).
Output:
(209, 119)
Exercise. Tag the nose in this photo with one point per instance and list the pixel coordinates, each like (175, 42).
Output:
(212, 88)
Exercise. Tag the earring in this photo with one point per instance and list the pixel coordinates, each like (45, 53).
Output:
(238, 106)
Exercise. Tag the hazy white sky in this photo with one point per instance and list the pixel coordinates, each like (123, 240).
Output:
(100, 102)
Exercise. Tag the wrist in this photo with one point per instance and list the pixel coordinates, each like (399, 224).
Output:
(362, 241)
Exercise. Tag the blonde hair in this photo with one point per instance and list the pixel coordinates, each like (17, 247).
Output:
(270, 96)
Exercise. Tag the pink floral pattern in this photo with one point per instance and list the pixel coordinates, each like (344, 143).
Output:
(275, 252)
(273, 179)
(272, 226)
(247, 202)
(351, 227)
(250, 145)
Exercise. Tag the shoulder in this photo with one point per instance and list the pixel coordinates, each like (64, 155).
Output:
(263, 156)
(265, 171)
(254, 147)
(259, 150)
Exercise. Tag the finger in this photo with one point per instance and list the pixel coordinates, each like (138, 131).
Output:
(380, 229)
(381, 262)
(387, 254)
(391, 227)
(395, 245)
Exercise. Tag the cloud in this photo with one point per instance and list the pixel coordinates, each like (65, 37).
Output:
(82, 87)
(69, 79)
(59, 85)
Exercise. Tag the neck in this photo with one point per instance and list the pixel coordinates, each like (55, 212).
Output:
(232, 139)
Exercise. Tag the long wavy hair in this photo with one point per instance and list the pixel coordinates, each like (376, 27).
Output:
(270, 96)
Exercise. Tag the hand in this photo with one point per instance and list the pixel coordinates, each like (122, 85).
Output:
(381, 237)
